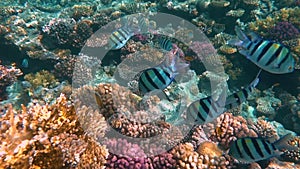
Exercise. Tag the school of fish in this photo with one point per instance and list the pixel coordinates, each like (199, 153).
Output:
(269, 56)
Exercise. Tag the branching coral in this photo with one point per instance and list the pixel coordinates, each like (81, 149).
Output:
(43, 78)
(50, 131)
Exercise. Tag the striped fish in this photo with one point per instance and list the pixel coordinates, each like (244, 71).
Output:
(241, 96)
(251, 149)
(161, 76)
(268, 55)
(206, 109)
(119, 37)
(165, 43)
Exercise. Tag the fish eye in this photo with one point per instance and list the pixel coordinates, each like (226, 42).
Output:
(290, 68)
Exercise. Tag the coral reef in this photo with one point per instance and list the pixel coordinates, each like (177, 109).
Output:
(186, 157)
(47, 130)
(43, 78)
(54, 130)
(66, 33)
(264, 129)
(284, 31)
(8, 75)
(228, 128)
(268, 104)
(293, 155)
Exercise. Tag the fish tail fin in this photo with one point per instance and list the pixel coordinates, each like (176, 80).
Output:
(254, 83)
(174, 62)
(283, 143)
(241, 40)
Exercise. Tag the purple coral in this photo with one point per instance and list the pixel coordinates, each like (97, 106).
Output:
(284, 31)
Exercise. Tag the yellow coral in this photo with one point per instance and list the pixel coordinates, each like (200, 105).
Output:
(40, 137)
(209, 148)
(42, 78)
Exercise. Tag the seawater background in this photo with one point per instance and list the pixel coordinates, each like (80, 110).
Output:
(50, 34)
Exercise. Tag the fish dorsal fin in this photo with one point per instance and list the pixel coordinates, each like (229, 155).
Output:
(256, 80)
(254, 37)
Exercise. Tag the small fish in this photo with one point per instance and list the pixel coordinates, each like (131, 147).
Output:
(270, 56)
(204, 110)
(119, 37)
(165, 44)
(250, 149)
(207, 109)
(241, 96)
(161, 76)
(25, 63)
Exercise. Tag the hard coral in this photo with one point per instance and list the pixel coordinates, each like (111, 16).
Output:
(42, 78)
(8, 75)
(66, 33)
(228, 128)
(137, 129)
(284, 31)
(187, 158)
(264, 129)
(47, 130)
(293, 155)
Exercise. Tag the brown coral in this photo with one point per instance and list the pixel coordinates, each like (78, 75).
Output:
(135, 128)
(50, 131)
(264, 129)
(209, 148)
(42, 78)
(187, 158)
(228, 128)
(293, 155)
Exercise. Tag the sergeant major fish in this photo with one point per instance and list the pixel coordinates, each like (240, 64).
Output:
(119, 37)
(207, 109)
(270, 56)
(161, 76)
(250, 149)
(241, 96)
(165, 43)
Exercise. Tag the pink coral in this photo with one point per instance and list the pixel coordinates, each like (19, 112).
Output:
(284, 31)
(8, 75)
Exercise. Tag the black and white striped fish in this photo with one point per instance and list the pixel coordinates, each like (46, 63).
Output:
(241, 96)
(161, 76)
(204, 110)
(119, 37)
(270, 56)
(251, 149)
(207, 109)
(165, 43)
